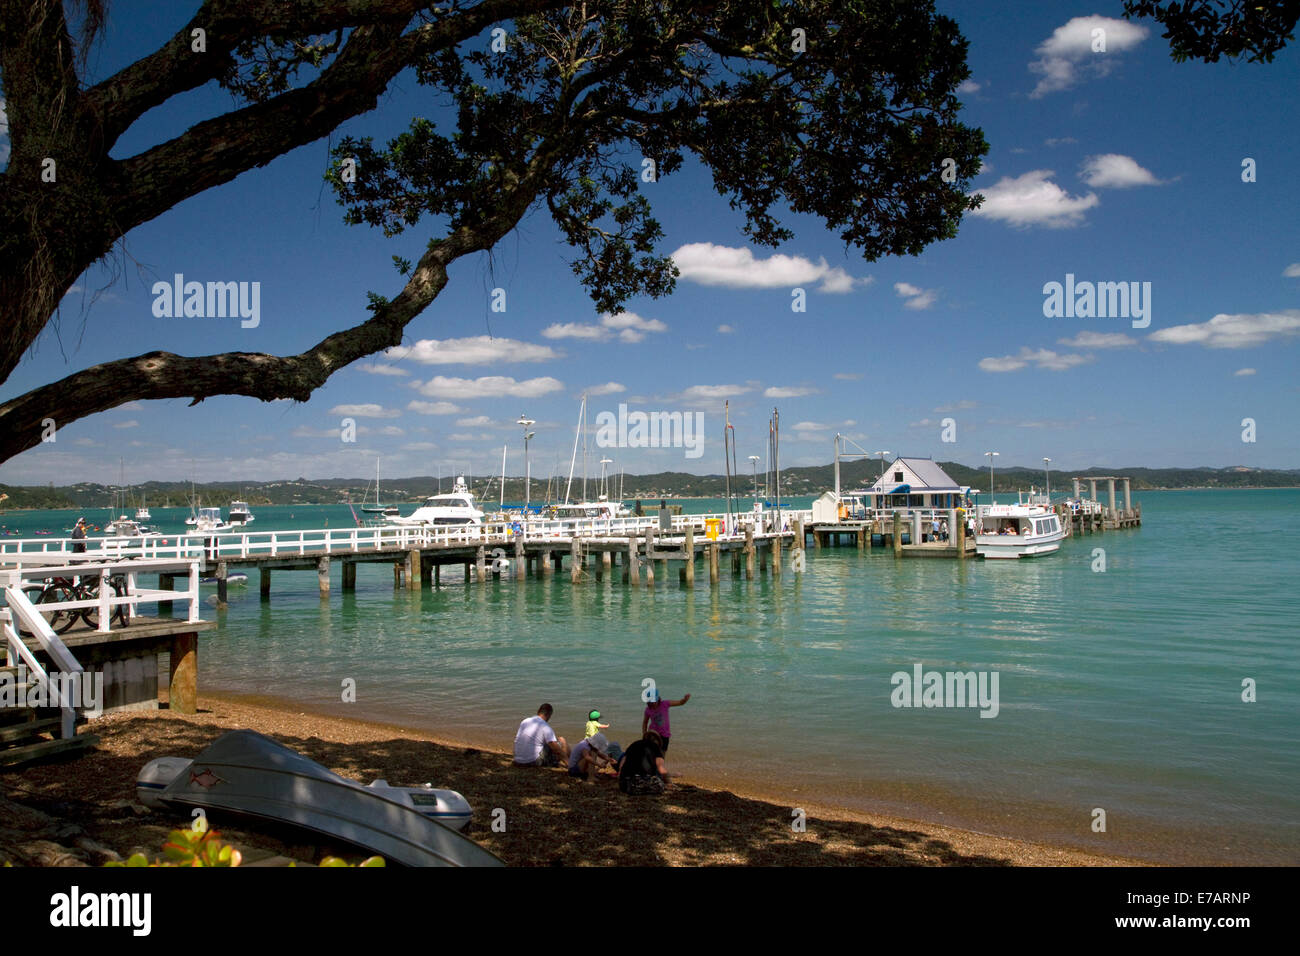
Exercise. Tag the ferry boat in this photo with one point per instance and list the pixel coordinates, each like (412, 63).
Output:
(1022, 530)
(455, 508)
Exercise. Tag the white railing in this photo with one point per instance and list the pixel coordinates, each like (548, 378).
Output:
(210, 547)
(37, 573)
(16, 649)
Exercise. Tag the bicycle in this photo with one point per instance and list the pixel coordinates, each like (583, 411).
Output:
(60, 589)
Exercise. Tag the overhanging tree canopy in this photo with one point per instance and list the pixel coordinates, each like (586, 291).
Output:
(841, 108)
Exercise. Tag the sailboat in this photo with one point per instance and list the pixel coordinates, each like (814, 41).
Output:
(388, 511)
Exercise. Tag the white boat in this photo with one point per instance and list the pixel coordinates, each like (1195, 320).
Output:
(209, 519)
(246, 773)
(1017, 531)
(124, 527)
(142, 513)
(234, 578)
(455, 508)
(240, 514)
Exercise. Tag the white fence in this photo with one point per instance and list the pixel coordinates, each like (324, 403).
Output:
(24, 553)
(33, 581)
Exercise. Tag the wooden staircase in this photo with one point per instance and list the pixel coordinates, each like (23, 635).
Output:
(28, 733)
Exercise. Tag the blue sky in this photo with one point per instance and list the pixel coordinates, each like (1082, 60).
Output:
(1120, 166)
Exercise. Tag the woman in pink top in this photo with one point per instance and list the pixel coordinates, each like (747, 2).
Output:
(656, 716)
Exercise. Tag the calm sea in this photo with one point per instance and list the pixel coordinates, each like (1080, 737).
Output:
(1119, 690)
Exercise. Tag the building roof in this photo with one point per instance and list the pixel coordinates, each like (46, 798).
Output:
(930, 478)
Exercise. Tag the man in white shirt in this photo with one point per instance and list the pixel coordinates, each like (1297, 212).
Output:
(536, 744)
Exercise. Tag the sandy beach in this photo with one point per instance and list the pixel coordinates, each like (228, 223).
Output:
(80, 810)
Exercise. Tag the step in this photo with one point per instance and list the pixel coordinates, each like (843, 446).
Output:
(45, 748)
(29, 728)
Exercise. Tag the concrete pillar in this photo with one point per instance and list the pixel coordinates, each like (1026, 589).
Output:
(265, 582)
(1110, 492)
(606, 560)
(184, 673)
(952, 525)
(548, 568)
(349, 575)
(690, 557)
(777, 541)
(1128, 497)
(1092, 488)
(1076, 489)
(713, 563)
(957, 530)
(863, 534)
(749, 552)
(521, 559)
(323, 576)
(916, 527)
(480, 564)
(397, 574)
(898, 534)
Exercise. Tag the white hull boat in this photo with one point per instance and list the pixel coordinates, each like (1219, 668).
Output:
(1017, 531)
(440, 511)
(247, 773)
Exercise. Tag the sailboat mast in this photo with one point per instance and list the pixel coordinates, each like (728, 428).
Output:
(582, 411)
(503, 477)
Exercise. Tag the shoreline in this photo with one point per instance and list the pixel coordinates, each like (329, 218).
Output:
(551, 818)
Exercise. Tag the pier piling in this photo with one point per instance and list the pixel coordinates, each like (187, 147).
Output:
(323, 576)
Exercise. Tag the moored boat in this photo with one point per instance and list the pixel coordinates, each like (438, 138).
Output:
(1017, 531)
(454, 508)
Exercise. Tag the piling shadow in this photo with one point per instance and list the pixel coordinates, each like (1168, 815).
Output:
(550, 819)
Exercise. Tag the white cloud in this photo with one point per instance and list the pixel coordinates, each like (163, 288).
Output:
(130, 423)
(725, 329)
(1292, 271)
(1039, 358)
(609, 388)
(391, 430)
(433, 408)
(375, 368)
(1034, 200)
(1067, 55)
(968, 86)
(1055, 141)
(847, 376)
(1115, 171)
(964, 404)
(366, 411)
(474, 350)
(778, 391)
(1099, 340)
(489, 386)
(1233, 331)
(478, 421)
(1244, 371)
(710, 392)
(917, 298)
(628, 326)
(460, 436)
(739, 268)
(419, 446)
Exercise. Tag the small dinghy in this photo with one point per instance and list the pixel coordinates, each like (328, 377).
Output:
(238, 577)
(248, 773)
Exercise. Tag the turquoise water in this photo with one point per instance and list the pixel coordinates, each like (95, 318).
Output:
(1119, 690)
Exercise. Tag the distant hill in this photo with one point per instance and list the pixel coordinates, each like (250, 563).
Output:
(795, 482)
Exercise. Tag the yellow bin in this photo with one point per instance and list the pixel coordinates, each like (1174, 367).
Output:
(711, 528)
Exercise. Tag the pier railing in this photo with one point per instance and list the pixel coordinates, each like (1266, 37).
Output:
(36, 574)
(224, 546)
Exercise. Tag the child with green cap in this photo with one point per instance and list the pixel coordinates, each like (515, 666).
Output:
(594, 726)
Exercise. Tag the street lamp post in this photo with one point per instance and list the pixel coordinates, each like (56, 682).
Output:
(882, 455)
(991, 455)
(1047, 475)
(525, 421)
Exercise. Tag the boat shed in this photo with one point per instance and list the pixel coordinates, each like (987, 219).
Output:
(916, 483)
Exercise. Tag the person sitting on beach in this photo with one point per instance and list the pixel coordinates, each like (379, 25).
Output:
(594, 726)
(656, 718)
(641, 770)
(536, 744)
(589, 756)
